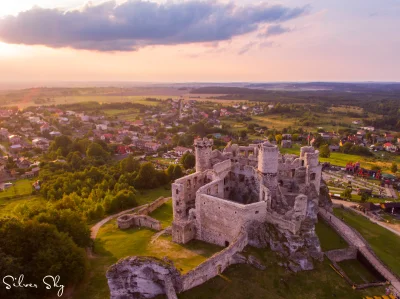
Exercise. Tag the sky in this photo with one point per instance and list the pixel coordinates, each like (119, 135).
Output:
(200, 40)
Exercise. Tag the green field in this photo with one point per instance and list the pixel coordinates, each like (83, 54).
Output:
(146, 196)
(357, 272)
(328, 238)
(385, 244)
(113, 244)
(19, 188)
(244, 281)
(340, 159)
(164, 214)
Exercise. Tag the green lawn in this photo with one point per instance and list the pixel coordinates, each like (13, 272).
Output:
(328, 238)
(113, 244)
(7, 206)
(246, 282)
(21, 187)
(357, 272)
(164, 214)
(385, 243)
(146, 196)
(341, 159)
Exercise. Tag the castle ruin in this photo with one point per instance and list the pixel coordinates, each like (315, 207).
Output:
(246, 186)
(244, 195)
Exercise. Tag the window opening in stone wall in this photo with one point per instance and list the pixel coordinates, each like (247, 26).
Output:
(312, 177)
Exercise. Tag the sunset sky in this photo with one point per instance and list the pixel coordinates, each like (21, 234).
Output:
(195, 40)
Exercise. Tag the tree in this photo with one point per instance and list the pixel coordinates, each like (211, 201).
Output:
(324, 151)
(177, 172)
(393, 167)
(170, 172)
(147, 176)
(364, 196)
(127, 140)
(188, 160)
(69, 222)
(243, 134)
(95, 150)
(278, 138)
(37, 250)
(346, 193)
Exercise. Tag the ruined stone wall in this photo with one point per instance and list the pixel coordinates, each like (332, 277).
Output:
(242, 184)
(215, 188)
(132, 220)
(281, 223)
(340, 255)
(149, 208)
(288, 165)
(214, 265)
(184, 193)
(219, 221)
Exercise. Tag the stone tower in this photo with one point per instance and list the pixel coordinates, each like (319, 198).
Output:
(310, 160)
(268, 158)
(203, 148)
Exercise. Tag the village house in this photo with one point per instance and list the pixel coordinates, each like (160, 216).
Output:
(369, 128)
(15, 148)
(152, 146)
(334, 148)
(180, 150)
(122, 150)
(389, 147)
(55, 134)
(44, 128)
(101, 127)
(106, 137)
(42, 143)
(389, 137)
(14, 139)
(4, 134)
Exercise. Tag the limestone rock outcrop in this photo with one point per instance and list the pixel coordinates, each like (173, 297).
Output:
(142, 277)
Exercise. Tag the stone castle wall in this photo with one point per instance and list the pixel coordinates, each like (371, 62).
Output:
(149, 208)
(214, 265)
(219, 221)
(131, 220)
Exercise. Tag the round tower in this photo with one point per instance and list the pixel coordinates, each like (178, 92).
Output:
(268, 158)
(203, 148)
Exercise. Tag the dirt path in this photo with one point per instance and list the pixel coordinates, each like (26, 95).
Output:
(95, 228)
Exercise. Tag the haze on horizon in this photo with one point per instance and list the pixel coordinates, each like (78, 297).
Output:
(200, 41)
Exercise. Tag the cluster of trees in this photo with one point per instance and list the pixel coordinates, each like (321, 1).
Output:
(95, 191)
(349, 148)
(37, 249)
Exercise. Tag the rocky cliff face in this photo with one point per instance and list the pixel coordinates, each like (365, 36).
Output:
(142, 277)
(324, 198)
(299, 250)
